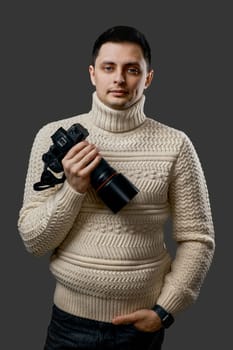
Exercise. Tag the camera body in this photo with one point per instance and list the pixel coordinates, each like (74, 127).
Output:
(113, 188)
(63, 141)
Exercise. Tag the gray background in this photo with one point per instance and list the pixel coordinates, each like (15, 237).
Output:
(45, 52)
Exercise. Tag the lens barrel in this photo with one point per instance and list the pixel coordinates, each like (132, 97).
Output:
(113, 188)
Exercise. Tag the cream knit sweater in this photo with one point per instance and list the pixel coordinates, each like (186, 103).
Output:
(109, 264)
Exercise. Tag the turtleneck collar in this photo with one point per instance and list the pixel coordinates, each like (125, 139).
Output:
(114, 120)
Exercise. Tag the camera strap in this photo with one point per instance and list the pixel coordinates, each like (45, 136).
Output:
(48, 180)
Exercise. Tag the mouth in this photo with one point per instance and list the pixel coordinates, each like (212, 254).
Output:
(118, 92)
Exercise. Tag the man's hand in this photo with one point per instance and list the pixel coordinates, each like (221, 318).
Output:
(78, 164)
(144, 320)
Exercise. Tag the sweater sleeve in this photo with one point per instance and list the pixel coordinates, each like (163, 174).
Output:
(192, 229)
(47, 216)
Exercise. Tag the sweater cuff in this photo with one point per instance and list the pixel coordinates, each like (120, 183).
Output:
(68, 197)
(172, 302)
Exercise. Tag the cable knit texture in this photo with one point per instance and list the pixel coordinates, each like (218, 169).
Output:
(109, 264)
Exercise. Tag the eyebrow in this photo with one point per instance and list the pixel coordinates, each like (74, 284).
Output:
(133, 63)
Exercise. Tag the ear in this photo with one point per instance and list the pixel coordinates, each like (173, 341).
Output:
(149, 78)
(92, 74)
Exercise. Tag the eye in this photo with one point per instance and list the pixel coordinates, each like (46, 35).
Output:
(108, 68)
(133, 70)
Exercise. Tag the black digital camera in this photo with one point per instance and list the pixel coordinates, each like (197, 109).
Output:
(112, 187)
(62, 142)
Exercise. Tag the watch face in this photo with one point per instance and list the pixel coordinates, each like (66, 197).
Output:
(166, 318)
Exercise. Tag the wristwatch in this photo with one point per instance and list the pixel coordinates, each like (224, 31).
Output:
(166, 318)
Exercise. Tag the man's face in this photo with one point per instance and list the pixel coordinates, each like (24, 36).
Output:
(120, 74)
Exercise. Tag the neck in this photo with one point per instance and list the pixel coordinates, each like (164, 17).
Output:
(114, 120)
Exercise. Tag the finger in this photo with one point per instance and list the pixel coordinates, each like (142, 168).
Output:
(75, 149)
(86, 155)
(76, 165)
(90, 167)
(125, 319)
(89, 151)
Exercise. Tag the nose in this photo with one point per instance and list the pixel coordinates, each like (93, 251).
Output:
(119, 77)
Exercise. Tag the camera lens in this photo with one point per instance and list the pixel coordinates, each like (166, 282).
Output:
(101, 174)
(114, 189)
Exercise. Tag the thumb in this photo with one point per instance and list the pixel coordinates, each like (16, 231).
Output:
(125, 319)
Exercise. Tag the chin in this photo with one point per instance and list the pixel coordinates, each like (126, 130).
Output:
(119, 104)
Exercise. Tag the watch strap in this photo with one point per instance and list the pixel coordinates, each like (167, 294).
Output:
(166, 318)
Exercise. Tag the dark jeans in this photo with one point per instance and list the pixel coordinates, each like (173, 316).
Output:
(67, 332)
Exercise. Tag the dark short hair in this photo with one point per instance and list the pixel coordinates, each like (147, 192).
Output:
(120, 34)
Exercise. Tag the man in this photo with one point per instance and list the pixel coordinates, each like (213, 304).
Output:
(116, 285)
